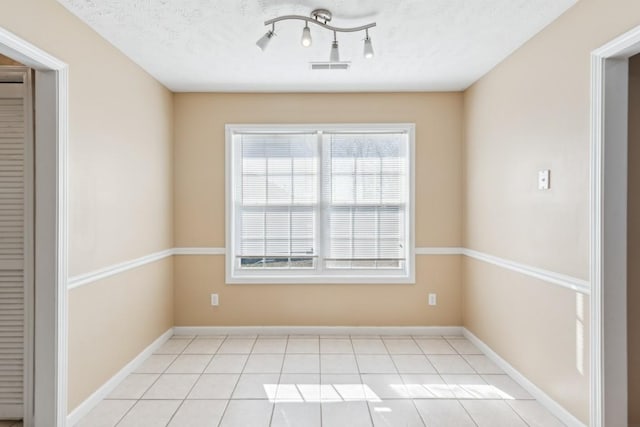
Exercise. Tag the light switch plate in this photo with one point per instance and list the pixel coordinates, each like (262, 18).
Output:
(544, 179)
(214, 300)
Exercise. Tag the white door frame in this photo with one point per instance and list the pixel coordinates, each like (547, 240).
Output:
(608, 253)
(48, 405)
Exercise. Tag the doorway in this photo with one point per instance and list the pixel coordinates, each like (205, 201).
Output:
(46, 402)
(633, 244)
(609, 200)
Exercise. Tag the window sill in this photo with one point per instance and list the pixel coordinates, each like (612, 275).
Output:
(320, 280)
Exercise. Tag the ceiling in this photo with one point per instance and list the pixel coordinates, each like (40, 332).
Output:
(420, 45)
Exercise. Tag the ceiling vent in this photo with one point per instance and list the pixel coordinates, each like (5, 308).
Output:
(330, 65)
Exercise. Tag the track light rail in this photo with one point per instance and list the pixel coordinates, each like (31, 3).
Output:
(319, 17)
(322, 24)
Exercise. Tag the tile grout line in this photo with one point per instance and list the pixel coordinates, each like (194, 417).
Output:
(364, 393)
(275, 397)
(413, 403)
(197, 379)
(153, 383)
(474, 370)
(224, 412)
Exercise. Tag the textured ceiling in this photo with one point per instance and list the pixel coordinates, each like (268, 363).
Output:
(420, 45)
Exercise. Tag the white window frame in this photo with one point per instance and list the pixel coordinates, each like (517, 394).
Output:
(406, 276)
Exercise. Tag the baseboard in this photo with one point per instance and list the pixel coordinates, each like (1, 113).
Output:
(85, 407)
(544, 399)
(318, 330)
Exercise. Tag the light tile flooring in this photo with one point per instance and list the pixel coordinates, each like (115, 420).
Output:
(307, 381)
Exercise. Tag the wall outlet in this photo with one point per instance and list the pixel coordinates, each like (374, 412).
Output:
(214, 300)
(433, 299)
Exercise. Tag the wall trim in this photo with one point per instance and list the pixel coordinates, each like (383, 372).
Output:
(439, 251)
(112, 270)
(543, 398)
(199, 251)
(105, 389)
(565, 281)
(319, 330)
(573, 283)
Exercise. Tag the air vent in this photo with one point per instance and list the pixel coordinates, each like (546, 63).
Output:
(330, 65)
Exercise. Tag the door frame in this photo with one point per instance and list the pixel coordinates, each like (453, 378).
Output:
(608, 223)
(47, 404)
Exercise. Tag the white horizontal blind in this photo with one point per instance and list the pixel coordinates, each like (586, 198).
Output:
(277, 201)
(365, 192)
(12, 248)
(319, 202)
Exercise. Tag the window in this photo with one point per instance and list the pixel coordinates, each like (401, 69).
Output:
(319, 204)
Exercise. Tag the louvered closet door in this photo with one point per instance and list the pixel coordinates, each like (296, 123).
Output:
(13, 152)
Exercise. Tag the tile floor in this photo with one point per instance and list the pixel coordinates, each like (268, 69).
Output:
(306, 381)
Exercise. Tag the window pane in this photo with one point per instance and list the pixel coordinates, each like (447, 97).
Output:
(365, 186)
(279, 190)
(365, 223)
(277, 172)
(254, 190)
(368, 189)
(342, 189)
(304, 189)
(360, 204)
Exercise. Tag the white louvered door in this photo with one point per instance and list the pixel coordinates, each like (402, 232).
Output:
(15, 231)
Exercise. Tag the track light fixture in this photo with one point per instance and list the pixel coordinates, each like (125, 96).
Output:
(306, 36)
(368, 48)
(263, 41)
(334, 56)
(319, 17)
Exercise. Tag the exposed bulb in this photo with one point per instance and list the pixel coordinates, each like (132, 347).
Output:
(306, 36)
(335, 54)
(368, 48)
(263, 42)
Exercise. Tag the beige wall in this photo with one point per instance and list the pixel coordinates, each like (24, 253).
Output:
(313, 305)
(539, 328)
(633, 243)
(120, 190)
(199, 211)
(111, 321)
(531, 113)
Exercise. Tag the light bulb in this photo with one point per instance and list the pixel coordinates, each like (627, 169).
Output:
(306, 36)
(368, 48)
(335, 54)
(263, 42)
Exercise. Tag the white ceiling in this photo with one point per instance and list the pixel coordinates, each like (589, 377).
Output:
(420, 45)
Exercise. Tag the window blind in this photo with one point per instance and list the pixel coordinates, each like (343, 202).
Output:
(364, 189)
(278, 200)
(322, 202)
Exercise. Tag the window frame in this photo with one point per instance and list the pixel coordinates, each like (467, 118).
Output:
(404, 276)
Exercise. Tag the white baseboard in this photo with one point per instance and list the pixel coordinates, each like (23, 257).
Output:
(85, 407)
(318, 330)
(544, 399)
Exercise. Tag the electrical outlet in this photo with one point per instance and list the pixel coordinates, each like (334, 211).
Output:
(214, 300)
(433, 299)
